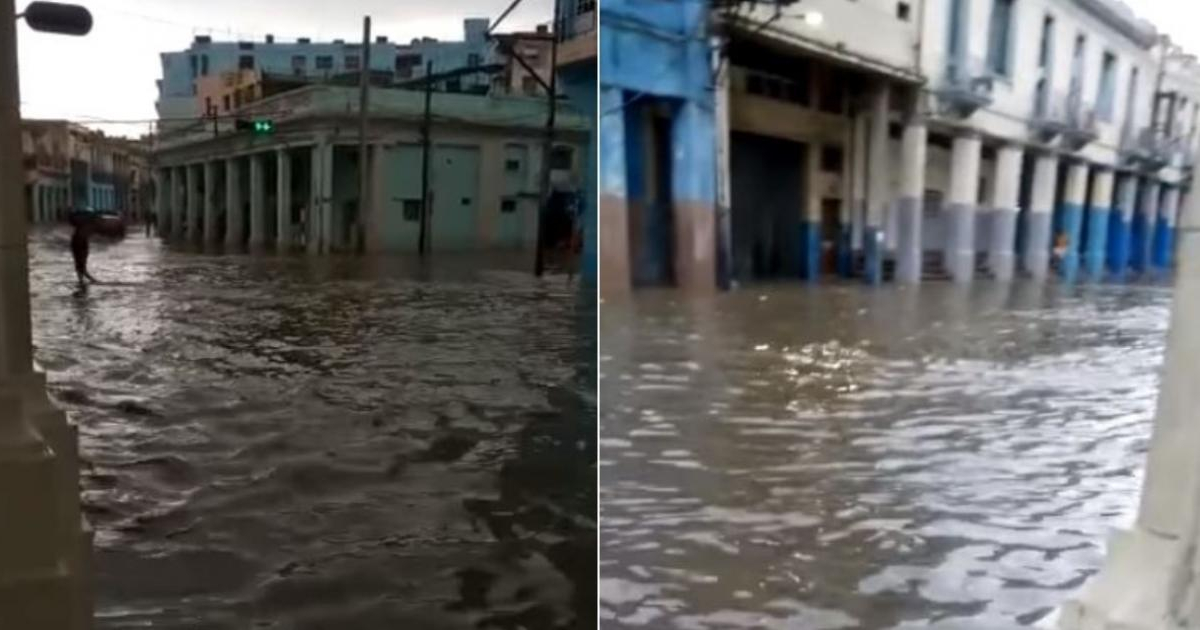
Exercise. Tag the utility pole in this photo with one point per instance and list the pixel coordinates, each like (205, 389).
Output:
(364, 169)
(539, 260)
(423, 243)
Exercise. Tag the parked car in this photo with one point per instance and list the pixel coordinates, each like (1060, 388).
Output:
(104, 222)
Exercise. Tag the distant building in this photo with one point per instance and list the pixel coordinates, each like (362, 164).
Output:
(187, 72)
(534, 50)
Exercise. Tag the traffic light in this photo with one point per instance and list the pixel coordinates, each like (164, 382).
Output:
(262, 126)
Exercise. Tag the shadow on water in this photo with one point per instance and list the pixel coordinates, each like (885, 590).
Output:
(290, 442)
(836, 457)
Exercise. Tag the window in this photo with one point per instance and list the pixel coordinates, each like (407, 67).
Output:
(903, 11)
(831, 159)
(561, 158)
(324, 62)
(204, 65)
(1131, 99)
(1106, 99)
(529, 85)
(958, 22)
(406, 64)
(1000, 38)
(512, 166)
(584, 6)
(1077, 65)
(225, 102)
(1046, 50)
(353, 63)
(192, 59)
(412, 210)
(208, 106)
(508, 206)
(473, 60)
(246, 45)
(246, 62)
(299, 64)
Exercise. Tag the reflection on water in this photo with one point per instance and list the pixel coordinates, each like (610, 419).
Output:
(281, 442)
(836, 457)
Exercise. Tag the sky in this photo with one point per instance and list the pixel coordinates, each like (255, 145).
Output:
(110, 74)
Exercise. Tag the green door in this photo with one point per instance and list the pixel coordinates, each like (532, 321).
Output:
(401, 198)
(455, 184)
(510, 225)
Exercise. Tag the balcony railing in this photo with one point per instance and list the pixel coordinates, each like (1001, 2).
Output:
(1083, 125)
(1049, 115)
(966, 86)
(1151, 148)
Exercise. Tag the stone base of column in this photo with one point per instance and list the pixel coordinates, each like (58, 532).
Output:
(1036, 258)
(845, 252)
(1164, 237)
(810, 250)
(615, 279)
(1001, 259)
(873, 246)
(695, 246)
(908, 240)
(1140, 234)
(1134, 590)
(45, 542)
(1072, 227)
(1097, 241)
(1118, 245)
(960, 242)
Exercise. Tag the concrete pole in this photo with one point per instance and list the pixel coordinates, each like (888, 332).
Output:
(1099, 217)
(1038, 226)
(615, 278)
(722, 130)
(1149, 578)
(810, 223)
(235, 222)
(43, 539)
(1143, 225)
(258, 201)
(179, 204)
(911, 206)
(1164, 232)
(210, 202)
(1074, 198)
(193, 203)
(321, 219)
(961, 206)
(877, 187)
(162, 188)
(1005, 201)
(283, 197)
(1121, 226)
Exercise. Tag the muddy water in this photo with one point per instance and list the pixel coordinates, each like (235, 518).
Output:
(287, 443)
(833, 457)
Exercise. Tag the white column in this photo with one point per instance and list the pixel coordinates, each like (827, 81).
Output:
(858, 204)
(961, 205)
(1036, 257)
(878, 185)
(909, 209)
(179, 203)
(235, 230)
(258, 201)
(160, 196)
(1005, 199)
(210, 202)
(1149, 578)
(283, 198)
(321, 223)
(193, 202)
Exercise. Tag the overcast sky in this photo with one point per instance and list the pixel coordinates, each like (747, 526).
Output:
(110, 73)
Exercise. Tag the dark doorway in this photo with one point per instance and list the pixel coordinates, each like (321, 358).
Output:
(651, 206)
(767, 207)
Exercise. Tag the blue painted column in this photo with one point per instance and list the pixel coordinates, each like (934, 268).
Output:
(693, 191)
(1001, 256)
(810, 223)
(1098, 224)
(1035, 259)
(1143, 226)
(613, 215)
(879, 172)
(1164, 232)
(1071, 226)
(961, 206)
(1120, 226)
(910, 206)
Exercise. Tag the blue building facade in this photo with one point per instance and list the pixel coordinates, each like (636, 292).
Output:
(657, 146)
(576, 71)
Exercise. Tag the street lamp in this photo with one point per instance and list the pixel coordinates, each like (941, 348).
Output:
(56, 17)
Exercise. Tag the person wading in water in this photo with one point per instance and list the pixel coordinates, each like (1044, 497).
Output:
(80, 247)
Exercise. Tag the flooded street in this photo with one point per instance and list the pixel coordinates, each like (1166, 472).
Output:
(293, 443)
(826, 457)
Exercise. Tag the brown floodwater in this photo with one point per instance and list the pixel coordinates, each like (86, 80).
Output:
(828, 457)
(297, 443)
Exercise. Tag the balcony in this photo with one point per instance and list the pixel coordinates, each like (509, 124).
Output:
(1150, 148)
(1050, 118)
(965, 87)
(1083, 127)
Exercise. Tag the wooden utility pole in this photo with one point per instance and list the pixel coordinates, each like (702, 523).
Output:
(539, 260)
(423, 243)
(364, 169)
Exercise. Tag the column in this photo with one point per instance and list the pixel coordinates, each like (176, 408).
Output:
(162, 197)
(810, 223)
(854, 208)
(258, 201)
(615, 278)
(1120, 226)
(283, 196)
(320, 217)
(235, 225)
(909, 250)
(877, 185)
(1038, 220)
(210, 202)
(725, 277)
(961, 204)
(1143, 225)
(1148, 581)
(1071, 224)
(1164, 229)
(693, 163)
(179, 205)
(1098, 224)
(192, 230)
(1006, 192)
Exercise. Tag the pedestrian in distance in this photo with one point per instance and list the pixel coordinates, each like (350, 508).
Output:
(81, 246)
